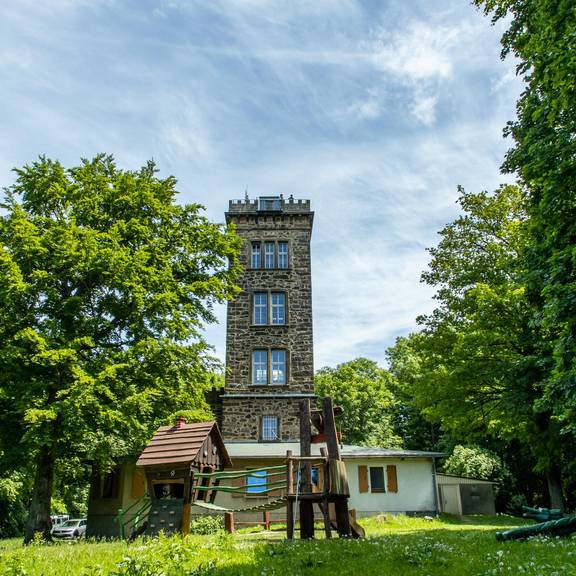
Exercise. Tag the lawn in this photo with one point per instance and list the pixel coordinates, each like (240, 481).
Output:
(395, 545)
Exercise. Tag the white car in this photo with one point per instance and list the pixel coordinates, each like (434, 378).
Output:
(71, 529)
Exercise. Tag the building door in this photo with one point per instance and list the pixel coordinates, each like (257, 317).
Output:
(450, 499)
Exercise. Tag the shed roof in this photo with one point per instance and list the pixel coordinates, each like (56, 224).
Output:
(180, 444)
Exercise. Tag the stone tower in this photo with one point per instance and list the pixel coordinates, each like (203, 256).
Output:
(269, 351)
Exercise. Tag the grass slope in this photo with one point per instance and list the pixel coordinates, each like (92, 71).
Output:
(396, 545)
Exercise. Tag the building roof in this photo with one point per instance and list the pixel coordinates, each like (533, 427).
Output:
(452, 479)
(348, 451)
(180, 444)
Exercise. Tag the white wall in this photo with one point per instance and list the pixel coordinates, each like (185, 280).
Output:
(415, 487)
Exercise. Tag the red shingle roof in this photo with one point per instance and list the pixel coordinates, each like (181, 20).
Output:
(179, 444)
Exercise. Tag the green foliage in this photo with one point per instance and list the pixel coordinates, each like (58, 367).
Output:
(12, 510)
(479, 365)
(208, 524)
(474, 462)
(363, 389)
(541, 35)
(105, 283)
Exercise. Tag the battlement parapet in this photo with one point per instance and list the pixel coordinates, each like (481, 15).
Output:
(269, 204)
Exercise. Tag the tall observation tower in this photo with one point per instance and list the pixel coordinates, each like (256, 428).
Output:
(269, 349)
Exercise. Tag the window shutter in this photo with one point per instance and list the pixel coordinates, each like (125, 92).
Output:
(138, 483)
(363, 479)
(392, 478)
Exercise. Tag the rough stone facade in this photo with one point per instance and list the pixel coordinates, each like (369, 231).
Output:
(243, 402)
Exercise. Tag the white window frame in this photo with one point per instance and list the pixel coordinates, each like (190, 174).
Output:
(269, 308)
(269, 427)
(272, 368)
(256, 255)
(259, 367)
(270, 255)
(260, 311)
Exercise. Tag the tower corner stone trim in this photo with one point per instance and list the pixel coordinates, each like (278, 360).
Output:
(266, 223)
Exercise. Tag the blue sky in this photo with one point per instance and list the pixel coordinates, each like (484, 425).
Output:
(375, 111)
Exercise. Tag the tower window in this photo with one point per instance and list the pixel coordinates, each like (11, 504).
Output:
(260, 308)
(269, 367)
(269, 255)
(260, 367)
(269, 428)
(256, 259)
(268, 308)
(278, 366)
(282, 254)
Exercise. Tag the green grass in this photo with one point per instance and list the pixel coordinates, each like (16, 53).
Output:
(396, 545)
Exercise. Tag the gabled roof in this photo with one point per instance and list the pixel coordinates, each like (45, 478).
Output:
(181, 444)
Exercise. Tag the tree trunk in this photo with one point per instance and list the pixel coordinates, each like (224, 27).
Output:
(555, 487)
(39, 513)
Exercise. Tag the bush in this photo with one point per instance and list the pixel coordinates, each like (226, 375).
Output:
(209, 524)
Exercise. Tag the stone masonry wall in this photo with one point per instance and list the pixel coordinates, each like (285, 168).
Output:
(241, 417)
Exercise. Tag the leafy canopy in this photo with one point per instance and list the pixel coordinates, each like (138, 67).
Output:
(363, 389)
(105, 284)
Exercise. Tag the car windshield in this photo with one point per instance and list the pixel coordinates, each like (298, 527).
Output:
(70, 523)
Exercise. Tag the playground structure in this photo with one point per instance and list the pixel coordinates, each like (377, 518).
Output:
(184, 467)
(552, 523)
(562, 527)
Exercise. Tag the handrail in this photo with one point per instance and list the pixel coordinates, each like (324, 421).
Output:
(242, 488)
(233, 473)
(120, 518)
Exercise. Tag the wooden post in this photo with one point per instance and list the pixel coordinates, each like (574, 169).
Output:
(267, 519)
(306, 507)
(324, 505)
(330, 429)
(290, 492)
(214, 493)
(289, 473)
(185, 526)
(340, 503)
(229, 522)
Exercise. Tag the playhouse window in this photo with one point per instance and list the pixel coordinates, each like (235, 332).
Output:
(256, 482)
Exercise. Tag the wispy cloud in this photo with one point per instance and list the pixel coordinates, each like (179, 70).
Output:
(375, 111)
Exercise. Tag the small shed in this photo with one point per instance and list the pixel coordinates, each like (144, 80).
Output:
(464, 496)
(169, 461)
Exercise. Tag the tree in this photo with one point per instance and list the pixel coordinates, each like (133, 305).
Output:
(474, 462)
(541, 36)
(105, 283)
(363, 389)
(482, 362)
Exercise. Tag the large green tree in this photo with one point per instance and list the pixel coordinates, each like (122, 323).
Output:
(105, 284)
(482, 362)
(541, 34)
(363, 390)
